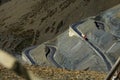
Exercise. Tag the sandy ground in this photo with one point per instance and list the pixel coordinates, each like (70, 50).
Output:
(24, 23)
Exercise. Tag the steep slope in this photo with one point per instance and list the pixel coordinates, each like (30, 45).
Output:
(24, 23)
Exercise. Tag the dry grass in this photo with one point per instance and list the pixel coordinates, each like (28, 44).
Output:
(50, 73)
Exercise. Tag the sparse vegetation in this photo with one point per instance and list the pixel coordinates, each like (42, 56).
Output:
(24, 23)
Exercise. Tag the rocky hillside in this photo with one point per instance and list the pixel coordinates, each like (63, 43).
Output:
(25, 23)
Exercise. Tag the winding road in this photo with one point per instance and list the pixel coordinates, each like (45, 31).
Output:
(52, 50)
(93, 47)
(49, 55)
(28, 55)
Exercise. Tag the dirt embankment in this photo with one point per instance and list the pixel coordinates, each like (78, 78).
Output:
(48, 73)
(24, 23)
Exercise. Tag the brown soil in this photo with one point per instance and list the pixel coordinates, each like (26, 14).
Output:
(49, 73)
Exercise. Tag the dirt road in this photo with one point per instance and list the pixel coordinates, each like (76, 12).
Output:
(24, 23)
(28, 22)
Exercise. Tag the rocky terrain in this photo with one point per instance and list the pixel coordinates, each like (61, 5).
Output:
(25, 23)
(49, 73)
